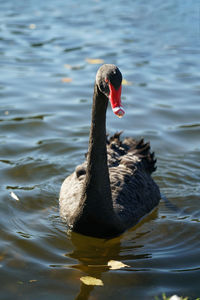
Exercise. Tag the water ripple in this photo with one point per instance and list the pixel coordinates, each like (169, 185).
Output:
(45, 121)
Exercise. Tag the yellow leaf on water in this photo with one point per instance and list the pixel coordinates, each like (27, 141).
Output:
(32, 280)
(88, 280)
(95, 61)
(126, 82)
(2, 257)
(66, 79)
(68, 66)
(14, 196)
(116, 265)
(32, 26)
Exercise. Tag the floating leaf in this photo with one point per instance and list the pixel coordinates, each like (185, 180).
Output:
(116, 265)
(88, 280)
(126, 82)
(95, 61)
(2, 257)
(32, 280)
(32, 26)
(14, 196)
(66, 79)
(68, 66)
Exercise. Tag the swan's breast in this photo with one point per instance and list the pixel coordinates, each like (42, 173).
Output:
(70, 194)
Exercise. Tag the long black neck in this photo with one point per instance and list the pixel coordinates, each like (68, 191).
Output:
(96, 215)
(97, 182)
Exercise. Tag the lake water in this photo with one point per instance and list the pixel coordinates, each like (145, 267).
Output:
(48, 61)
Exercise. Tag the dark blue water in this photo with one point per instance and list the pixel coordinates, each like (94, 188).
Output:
(48, 61)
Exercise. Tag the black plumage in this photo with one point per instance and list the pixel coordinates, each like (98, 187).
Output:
(113, 189)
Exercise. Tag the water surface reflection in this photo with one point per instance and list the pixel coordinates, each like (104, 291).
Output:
(44, 128)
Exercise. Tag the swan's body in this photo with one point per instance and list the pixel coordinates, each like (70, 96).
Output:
(113, 189)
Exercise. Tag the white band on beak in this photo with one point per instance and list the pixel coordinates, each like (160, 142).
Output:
(118, 111)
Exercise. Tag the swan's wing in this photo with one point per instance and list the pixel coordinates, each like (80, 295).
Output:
(136, 150)
(134, 192)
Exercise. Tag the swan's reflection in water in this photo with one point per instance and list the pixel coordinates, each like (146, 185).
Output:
(93, 254)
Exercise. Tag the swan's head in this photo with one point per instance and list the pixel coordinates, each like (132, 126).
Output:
(109, 82)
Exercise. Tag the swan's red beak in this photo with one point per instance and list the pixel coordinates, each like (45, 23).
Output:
(115, 100)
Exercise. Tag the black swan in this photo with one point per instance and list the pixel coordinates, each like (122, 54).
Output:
(113, 189)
